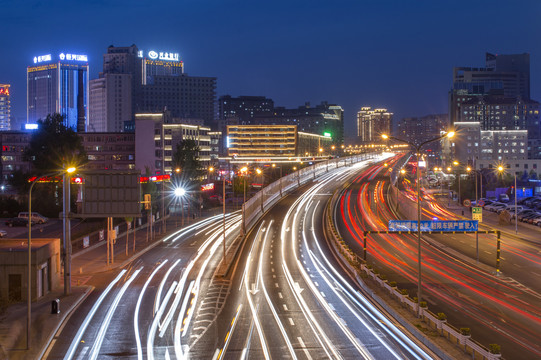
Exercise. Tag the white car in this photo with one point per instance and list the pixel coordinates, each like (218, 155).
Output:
(3, 233)
(495, 206)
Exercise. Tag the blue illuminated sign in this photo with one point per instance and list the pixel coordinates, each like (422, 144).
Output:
(440, 225)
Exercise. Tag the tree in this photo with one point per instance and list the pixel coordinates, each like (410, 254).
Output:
(186, 158)
(53, 146)
(533, 175)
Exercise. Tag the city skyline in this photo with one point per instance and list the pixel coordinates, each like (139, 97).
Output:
(291, 53)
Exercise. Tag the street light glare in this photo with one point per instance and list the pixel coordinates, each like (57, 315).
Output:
(70, 170)
(244, 169)
(258, 171)
(180, 192)
(211, 169)
(385, 136)
(450, 134)
(500, 168)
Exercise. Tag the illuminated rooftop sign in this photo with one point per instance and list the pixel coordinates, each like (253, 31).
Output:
(73, 57)
(42, 58)
(166, 56)
(61, 56)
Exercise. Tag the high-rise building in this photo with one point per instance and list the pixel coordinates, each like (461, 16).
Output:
(5, 107)
(134, 80)
(59, 84)
(242, 110)
(371, 124)
(416, 130)
(503, 113)
(184, 96)
(507, 75)
(320, 119)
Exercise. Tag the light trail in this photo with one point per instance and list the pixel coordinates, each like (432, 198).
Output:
(136, 313)
(105, 325)
(88, 318)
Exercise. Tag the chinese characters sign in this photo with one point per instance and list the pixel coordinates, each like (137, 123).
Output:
(440, 225)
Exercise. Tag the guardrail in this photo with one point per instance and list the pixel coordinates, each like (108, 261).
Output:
(459, 337)
(254, 208)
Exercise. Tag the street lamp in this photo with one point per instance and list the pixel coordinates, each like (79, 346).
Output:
(67, 245)
(501, 170)
(418, 154)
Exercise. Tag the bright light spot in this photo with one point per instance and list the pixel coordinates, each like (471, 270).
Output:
(180, 192)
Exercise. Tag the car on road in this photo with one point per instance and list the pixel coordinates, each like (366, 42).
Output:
(37, 218)
(17, 221)
(3, 233)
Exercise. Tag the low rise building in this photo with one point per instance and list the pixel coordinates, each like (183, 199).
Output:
(45, 268)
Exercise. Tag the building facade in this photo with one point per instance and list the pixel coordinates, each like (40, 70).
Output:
(12, 146)
(504, 75)
(320, 119)
(156, 139)
(371, 124)
(111, 103)
(59, 84)
(260, 142)
(109, 150)
(5, 108)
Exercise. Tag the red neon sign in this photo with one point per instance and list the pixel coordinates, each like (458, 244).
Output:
(207, 187)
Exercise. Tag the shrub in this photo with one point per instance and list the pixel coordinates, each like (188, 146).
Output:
(465, 331)
(423, 304)
(494, 348)
(392, 284)
(404, 292)
(442, 316)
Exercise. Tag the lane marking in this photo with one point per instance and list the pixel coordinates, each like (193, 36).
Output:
(291, 322)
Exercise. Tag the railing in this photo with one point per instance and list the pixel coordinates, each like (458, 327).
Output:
(269, 195)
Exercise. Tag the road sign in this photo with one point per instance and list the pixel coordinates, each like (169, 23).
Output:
(481, 203)
(467, 203)
(439, 225)
(477, 213)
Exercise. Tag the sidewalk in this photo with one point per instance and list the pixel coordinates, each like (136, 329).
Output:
(85, 263)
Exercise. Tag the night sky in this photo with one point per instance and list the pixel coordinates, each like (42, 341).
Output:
(393, 54)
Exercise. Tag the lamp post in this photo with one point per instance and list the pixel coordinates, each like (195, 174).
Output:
(418, 154)
(179, 194)
(67, 247)
(501, 170)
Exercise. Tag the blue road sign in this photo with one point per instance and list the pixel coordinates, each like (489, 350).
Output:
(437, 225)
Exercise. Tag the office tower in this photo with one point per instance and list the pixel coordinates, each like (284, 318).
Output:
(242, 110)
(135, 80)
(416, 130)
(507, 75)
(113, 95)
(321, 119)
(184, 96)
(59, 84)
(371, 124)
(5, 107)
(111, 103)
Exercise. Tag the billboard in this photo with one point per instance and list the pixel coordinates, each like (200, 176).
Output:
(111, 194)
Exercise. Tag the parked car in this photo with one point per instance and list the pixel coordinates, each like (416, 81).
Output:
(504, 198)
(3, 233)
(532, 200)
(529, 216)
(495, 206)
(525, 212)
(37, 218)
(536, 221)
(17, 222)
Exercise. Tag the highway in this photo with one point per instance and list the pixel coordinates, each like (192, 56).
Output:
(143, 310)
(290, 298)
(499, 309)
